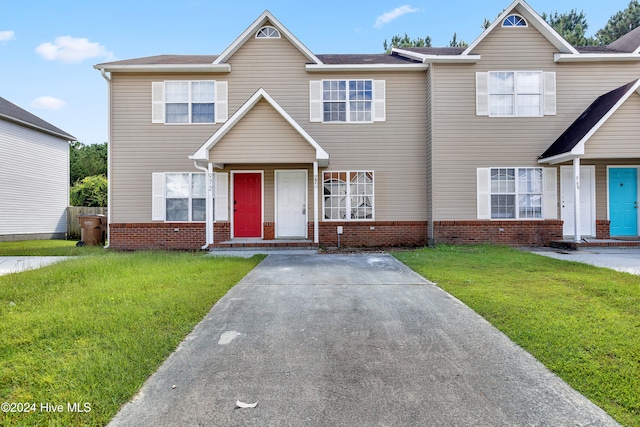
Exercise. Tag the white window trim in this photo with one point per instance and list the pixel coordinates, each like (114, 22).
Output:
(158, 102)
(220, 195)
(548, 95)
(348, 196)
(273, 34)
(549, 193)
(378, 102)
(526, 24)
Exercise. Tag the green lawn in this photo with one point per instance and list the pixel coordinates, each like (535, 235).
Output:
(47, 248)
(582, 322)
(91, 329)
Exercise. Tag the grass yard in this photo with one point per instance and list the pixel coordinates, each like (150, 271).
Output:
(47, 248)
(582, 322)
(87, 332)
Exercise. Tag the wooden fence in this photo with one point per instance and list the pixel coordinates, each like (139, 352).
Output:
(73, 224)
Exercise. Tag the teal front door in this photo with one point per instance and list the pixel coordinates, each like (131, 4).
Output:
(623, 201)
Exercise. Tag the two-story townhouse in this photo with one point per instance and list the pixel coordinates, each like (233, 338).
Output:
(496, 142)
(524, 127)
(266, 141)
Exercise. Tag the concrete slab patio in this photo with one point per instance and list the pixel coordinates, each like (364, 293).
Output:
(350, 340)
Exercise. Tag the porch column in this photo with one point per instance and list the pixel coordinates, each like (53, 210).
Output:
(316, 229)
(576, 199)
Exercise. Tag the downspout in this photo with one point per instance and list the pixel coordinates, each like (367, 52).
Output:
(106, 77)
(209, 203)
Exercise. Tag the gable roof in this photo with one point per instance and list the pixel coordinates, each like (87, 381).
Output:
(533, 19)
(202, 153)
(629, 43)
(12, 113)
(571, 142)
(262, 20)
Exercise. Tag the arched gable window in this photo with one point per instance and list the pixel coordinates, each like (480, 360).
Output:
(267, 32)
(514, 21)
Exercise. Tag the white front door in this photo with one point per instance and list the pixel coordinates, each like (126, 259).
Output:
(587, 198)
(291, 204)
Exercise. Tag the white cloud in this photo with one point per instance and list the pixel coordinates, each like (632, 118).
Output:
(47, 103)
(72, 50)
(5, 36)
(387, 17)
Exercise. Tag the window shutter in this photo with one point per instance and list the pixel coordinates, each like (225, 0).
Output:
(550, 196)
(379, 107)
(222, 95)
(549, 94)
(484, 193)
(222, 196)
(157, 102)
(482, 94)
(315, 101)
(157, 197)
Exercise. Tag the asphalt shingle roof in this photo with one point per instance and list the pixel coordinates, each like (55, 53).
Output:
(13, 113)
(586, 122)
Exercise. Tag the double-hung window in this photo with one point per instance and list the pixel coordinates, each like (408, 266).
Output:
(348, 195)
(185, 196)
(515, 93)
(189, 101)
(182, 196)
(347, 101)
(517, 193)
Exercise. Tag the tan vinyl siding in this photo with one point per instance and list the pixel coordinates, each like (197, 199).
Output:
(619, 136)
(395, 149)
(263, 136)
(463, 141)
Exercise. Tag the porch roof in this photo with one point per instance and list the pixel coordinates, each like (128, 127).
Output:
(571, 143)
(202, 154)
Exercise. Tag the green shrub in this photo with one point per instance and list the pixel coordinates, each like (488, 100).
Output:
(90, 191)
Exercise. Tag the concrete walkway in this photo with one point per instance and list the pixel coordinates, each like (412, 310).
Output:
(16, 264)
(624, 259)
(350, 340)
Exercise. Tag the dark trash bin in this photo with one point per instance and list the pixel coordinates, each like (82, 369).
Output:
(92, 229)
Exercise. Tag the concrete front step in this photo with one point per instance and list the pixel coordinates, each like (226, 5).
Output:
(244, 244)
(594, 243)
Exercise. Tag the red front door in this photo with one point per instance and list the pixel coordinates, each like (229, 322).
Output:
(247, 205)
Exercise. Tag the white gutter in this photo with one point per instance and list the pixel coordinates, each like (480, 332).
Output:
(166, 68)
(365, 67)
(106, 77)
(596, 57)
(438, 59)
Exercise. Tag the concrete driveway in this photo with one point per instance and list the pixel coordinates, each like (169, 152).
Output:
(350, 340)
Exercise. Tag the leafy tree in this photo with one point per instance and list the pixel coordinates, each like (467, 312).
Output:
(485, 24)
(405, 41)
(619, 24)
(571, 25)
(457, 43)
(90, 191)
(86, 160)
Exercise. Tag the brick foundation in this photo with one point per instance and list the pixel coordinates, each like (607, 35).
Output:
(373, 233)
(166, 235)
(512, 233)
(191, 236)
(603, 229)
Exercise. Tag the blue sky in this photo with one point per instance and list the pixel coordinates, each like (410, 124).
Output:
(48, 48)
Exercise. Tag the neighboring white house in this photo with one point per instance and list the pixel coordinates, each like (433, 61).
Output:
(34, 176)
